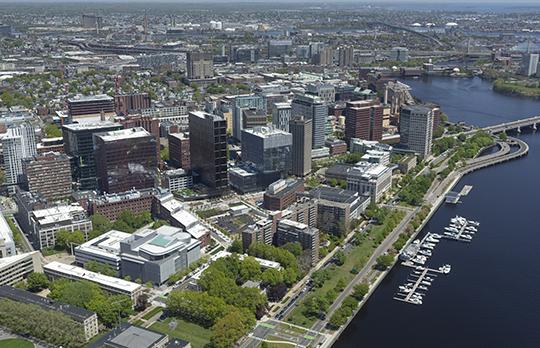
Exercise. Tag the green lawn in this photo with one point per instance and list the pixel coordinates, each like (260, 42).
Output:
(197, 335)
(16, 343)
(356, 258)
(153, 312)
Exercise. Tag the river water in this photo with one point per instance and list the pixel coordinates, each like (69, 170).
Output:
(491, 298)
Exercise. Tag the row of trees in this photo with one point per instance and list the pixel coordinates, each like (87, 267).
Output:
(411, 227)
(53, 327)
(414, 188)
(347, 308)
(109, 308)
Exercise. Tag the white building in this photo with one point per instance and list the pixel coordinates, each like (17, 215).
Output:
(363, 146)
(370, 179)
(46, 223)
(7, 245)
(376, 156)
(177, 179)
(175, 114)
(529, 64)
(104, 249)
(110, 284)
(18, 143)
(15, 268)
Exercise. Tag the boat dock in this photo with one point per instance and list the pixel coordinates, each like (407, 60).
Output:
(461, 229)
(465, 190)
(453, 197)
(417, 284)
(418, 252)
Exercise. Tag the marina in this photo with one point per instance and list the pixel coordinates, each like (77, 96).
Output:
(461, 229)
(418, 252)
(417, 284)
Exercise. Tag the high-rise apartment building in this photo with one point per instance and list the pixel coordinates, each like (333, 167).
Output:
(208, 148)
(48, 174)
(416, 128)
(278, 48)
(79, 145)
(199, 66)
(312, 108)
(529, 64)
(18, 143)
(125, 159)
(289, 231)
(363, 120)
(301, 130)
(346, 56)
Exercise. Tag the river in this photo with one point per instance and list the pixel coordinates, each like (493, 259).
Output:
(491, 298)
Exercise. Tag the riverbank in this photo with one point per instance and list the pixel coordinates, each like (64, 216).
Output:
(516, 88)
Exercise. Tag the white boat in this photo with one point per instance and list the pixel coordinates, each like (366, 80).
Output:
(421, 287)
(425, 252)
(451, 229)
(435, 235)
(425, 282)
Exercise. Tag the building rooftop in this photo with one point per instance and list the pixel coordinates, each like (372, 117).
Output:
(163, 240)
(5, 232)
(107, 245)
(76, 313)
(334, 194)
(283, 186)
(121, 134)
(206, 115)
(90, 98)
(267, 132)
(136, 337)
(122, 196)
(368, 169)
(101, 279)
(91, 125)
(57, 214)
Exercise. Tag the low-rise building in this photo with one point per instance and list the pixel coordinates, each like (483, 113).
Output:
(104, 249)
(87, 319)
(46, 223)
(370, 179)
(7, 245)
(112, 285)
(155, 255)
(289, 231)
(407, 164)
(282, 193)
(176, 179)
(111, 205)
(15, 268)
(130, 336)
(336, 146)
(376, 156)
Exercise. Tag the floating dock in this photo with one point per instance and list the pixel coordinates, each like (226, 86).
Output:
(461, 229)
(418, 252)
(453, 197)
(417, 284)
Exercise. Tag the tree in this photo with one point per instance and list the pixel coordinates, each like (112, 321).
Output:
(101, 224)
(236, 247)
(52, 131)
(65, 239)
(339, 257)
(360, 291)
(231, 328)
(250, 269)
(294, 248)
(275, 293)
(37, 282)
(384, 261)
(271, 277)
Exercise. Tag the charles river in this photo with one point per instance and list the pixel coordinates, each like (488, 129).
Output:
(491, 298)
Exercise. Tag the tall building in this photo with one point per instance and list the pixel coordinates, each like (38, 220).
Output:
(312, 108)
(325, 91)
(79, 145)
(301, 130)
(179, 154)
(399, 54)
(281, 115)
(240, 102)
(363, 120)
(199, 66)
(48, 174)
(291, 232)
(91, 21)
(346, 56)
(92, 107)
(529, 64)
(278, 48)
(150, 124)
(416, 128)
(268, 148)
(125, 159)
(129, 103)
(325, 56)
(18, 143)
(208, 148)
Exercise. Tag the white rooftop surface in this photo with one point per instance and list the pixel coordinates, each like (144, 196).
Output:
(197, 231)
(186, 218)
(172, 205)
(369, 169)
(5, 230)
(109, 247)
(296, 224)
(57, 214)
(239, 208)
(131, 133)
(90, 125)
(7, 261)
(82, 273)
(87, 98)
(167, 240)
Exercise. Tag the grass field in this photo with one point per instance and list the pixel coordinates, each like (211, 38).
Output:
(197, 335)
(153, 312)
(15, 343)
(355, 259)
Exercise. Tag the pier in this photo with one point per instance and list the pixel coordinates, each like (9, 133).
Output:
(422, 277)
(461, 229)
